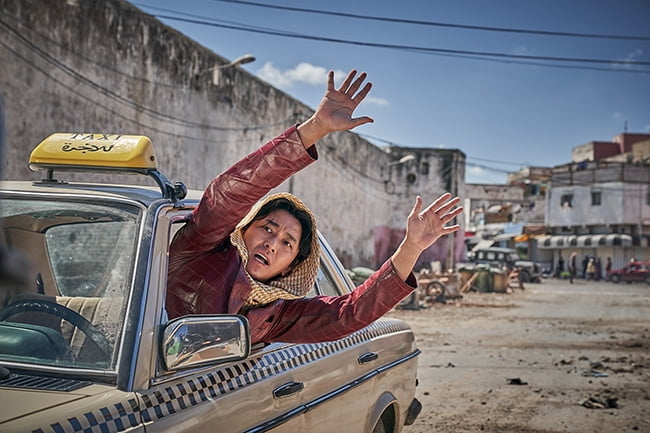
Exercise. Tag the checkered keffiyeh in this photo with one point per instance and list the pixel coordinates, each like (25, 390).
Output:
(292, 286)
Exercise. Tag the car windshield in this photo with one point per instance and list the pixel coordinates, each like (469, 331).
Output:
(80, 257)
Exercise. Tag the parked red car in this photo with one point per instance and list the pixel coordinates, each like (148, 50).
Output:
(634, 271)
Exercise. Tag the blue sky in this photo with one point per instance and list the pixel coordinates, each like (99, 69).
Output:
(504, 113)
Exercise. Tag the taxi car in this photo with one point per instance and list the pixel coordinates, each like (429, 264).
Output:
(86, 345)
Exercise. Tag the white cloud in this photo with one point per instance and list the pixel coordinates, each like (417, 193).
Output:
(303, 73)
(311, 75)
(474, 170)
(624, 63)
(373, 100)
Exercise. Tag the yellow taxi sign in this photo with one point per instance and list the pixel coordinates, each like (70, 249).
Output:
(94, 151)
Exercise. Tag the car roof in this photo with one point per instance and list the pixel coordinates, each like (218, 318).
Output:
(145, 195)
(498, 250)
(98, 153)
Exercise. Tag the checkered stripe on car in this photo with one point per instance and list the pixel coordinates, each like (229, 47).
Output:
(174, 398)
(119, 417)
(165, 401)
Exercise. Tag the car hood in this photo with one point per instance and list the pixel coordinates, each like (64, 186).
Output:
(31, 409)
(20, 402)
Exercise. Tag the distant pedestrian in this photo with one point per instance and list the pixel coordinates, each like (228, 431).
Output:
(599, 269)
(585, 262)
(591, 269)
(608, 267)
(560, 267)
(572, 267)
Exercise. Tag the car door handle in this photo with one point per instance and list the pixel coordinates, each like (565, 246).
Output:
(287, 389)
(368, 357)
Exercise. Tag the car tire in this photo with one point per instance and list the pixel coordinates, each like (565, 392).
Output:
(647, 280)
(432, 293)
(379, 427)
(524, 276)
(386, 422)
(615, 279)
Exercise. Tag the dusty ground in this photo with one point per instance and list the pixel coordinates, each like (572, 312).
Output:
(554, 357)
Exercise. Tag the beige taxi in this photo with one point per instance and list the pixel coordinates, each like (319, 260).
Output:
(86, 345)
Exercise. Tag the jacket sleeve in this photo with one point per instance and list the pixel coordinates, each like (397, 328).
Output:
(327, 318)
(230, 196)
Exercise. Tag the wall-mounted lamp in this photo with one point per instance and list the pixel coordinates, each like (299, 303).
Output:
(389, 186)
(241, 60)
(402, 160)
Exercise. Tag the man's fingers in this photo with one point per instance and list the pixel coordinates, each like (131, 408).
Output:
(330, 80)
(416, 207)
(450, 229)
(442, 204)
(362, 94)
(357, 83)
(445, 218)
(357, 121)
(346, 83)
(439, 201)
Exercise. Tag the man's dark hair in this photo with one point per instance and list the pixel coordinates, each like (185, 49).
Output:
(304, 246)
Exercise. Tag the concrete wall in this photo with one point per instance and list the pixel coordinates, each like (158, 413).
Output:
(622, 204)
(106, 67)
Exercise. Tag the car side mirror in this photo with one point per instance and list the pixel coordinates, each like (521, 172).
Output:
(191, 341)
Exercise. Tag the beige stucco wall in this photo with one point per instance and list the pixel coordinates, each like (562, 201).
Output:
(105, 67)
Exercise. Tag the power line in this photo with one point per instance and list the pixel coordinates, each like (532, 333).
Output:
(120, 99)
(440, 24)
(477, 55)
(107, 67)
(251, 28)
(469, 158)
(108, 92)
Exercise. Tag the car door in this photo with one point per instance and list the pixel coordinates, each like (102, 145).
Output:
(226, 397)
(318, 387)
(636, 272)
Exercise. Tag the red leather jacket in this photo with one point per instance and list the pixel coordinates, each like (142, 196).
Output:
(206, 275)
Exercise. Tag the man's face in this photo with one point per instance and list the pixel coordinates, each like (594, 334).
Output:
(272, 243)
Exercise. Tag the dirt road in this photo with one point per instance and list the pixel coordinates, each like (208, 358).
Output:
(554, 357)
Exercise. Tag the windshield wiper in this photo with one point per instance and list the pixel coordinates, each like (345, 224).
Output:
(4, 373)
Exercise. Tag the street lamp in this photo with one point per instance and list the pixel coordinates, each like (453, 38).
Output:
(241, 60)
(402, 160)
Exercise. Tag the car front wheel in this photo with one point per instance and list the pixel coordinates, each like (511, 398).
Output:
(615, 279)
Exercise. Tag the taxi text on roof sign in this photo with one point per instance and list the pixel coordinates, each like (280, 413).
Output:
(101, 151)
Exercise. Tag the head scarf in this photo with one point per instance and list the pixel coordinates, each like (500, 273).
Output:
(299, 281)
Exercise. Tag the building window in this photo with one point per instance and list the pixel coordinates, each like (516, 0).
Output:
(596, 197)
(566, 200)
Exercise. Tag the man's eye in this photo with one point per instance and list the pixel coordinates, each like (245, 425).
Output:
(289, 244)
(267, 228)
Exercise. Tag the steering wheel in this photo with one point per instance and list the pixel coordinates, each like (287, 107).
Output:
(60, 311)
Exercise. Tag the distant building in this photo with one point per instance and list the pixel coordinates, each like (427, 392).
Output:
(505, 215)
(599, 204)
(624, 147)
